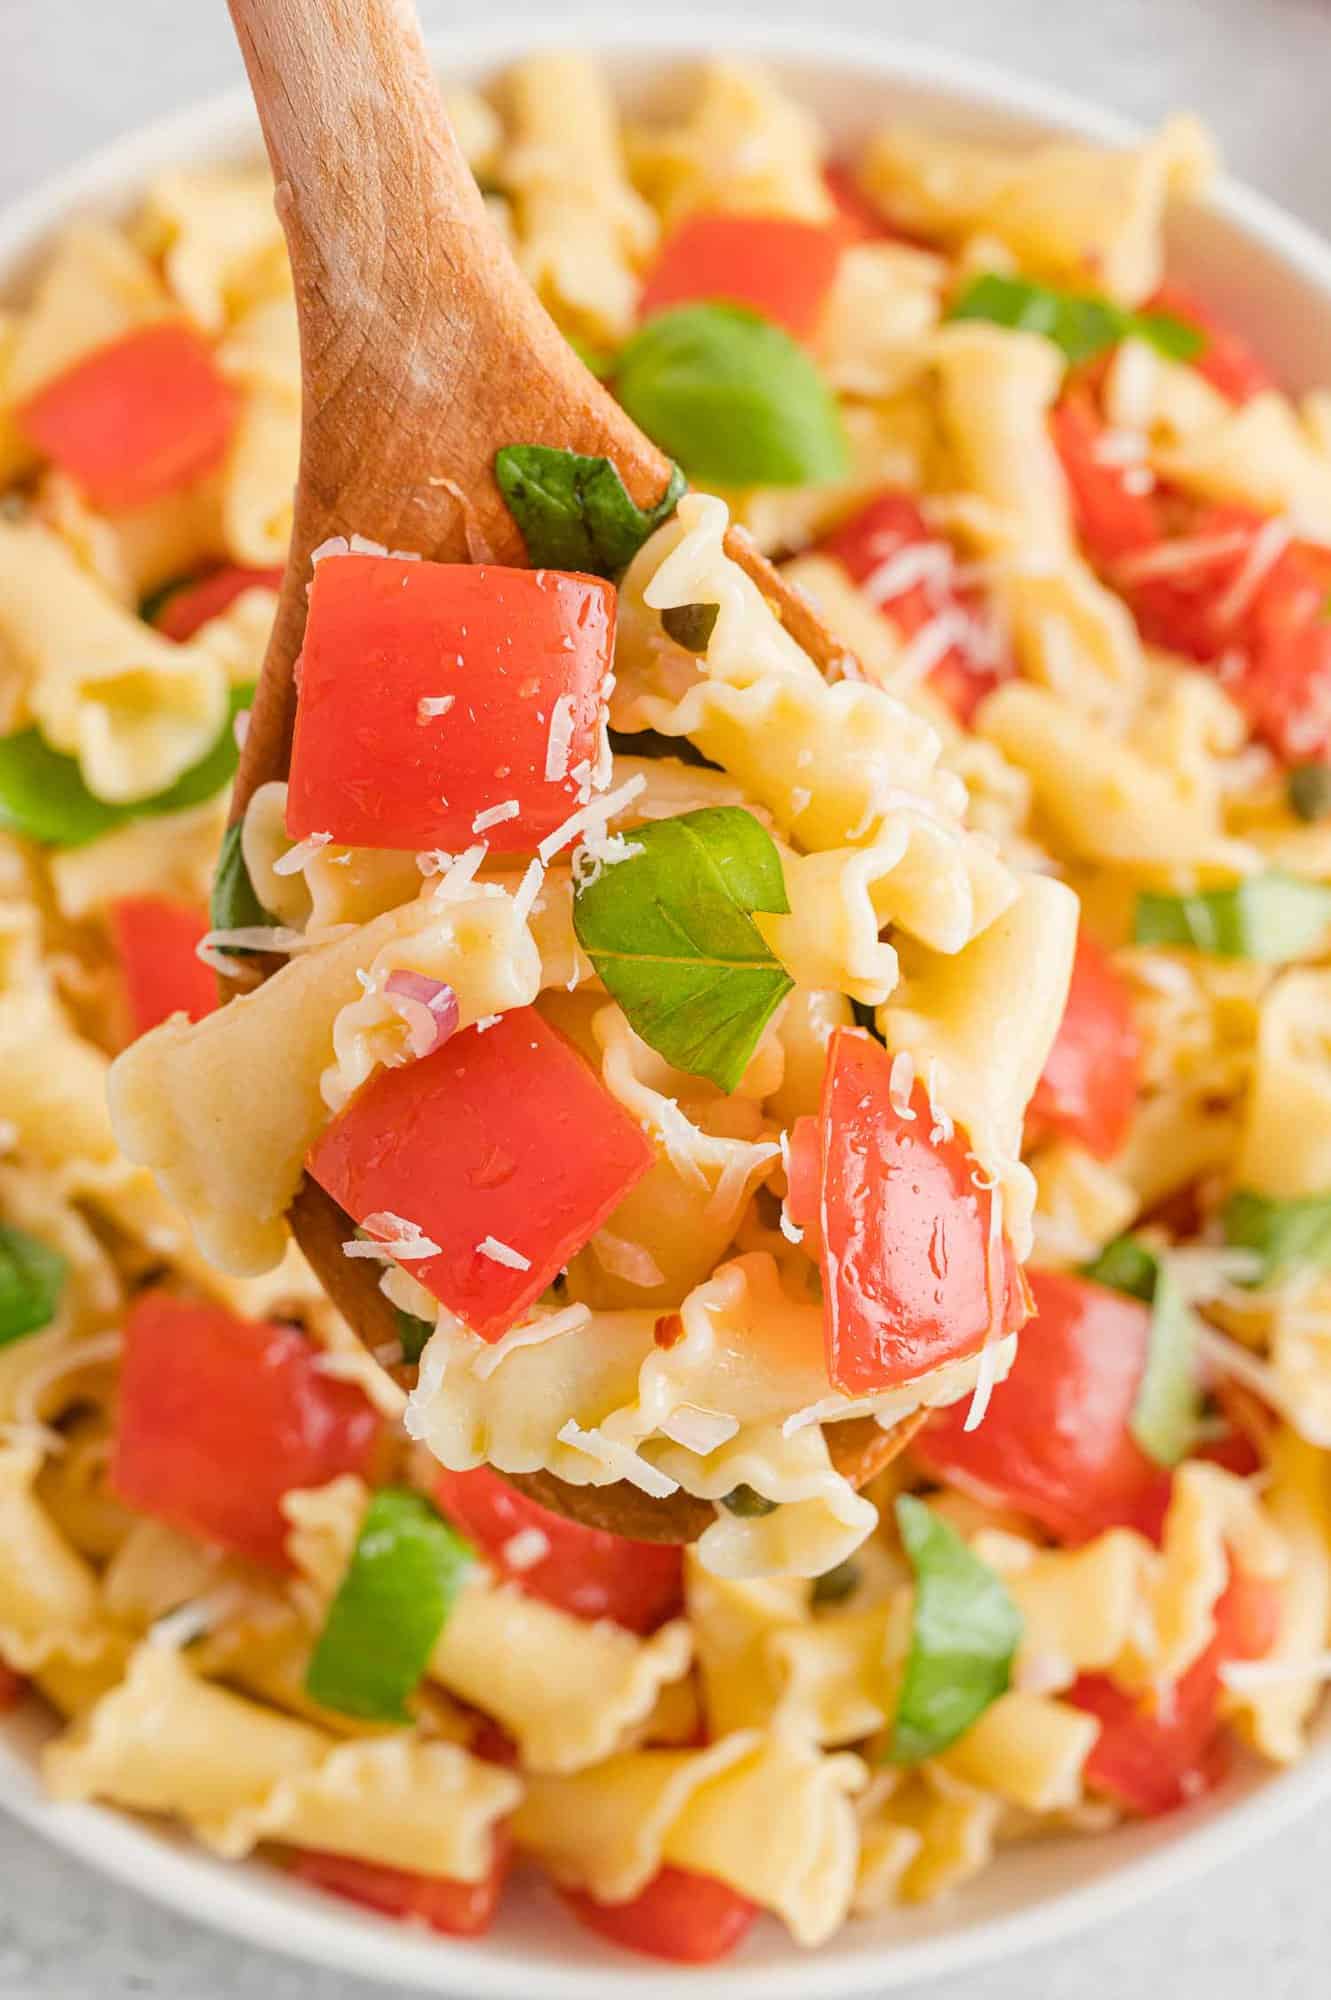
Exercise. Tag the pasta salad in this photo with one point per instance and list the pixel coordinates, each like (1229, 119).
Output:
(707, 1051)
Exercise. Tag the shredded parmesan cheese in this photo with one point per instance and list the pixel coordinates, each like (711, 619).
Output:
(431, 706)
(697, 1430)
(598, 812)
(390, 1236)
(502, 1253)
(619, 1460)
(525, 1549)
(559, 740)
(632, 1262)
(495, 815)
(295, 857)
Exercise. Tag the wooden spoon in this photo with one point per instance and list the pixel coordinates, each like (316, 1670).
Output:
(423, 350)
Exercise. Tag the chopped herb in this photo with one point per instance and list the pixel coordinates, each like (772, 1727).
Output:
(412, 1332)
(742, 1500)
(1167, 1410)
(575, 512)
(670, 930)
(1269, 918)
(965, 1630)
(400, 1585)
(1308, 788)
(690, 625)
(1285, 1235)
(234, 905)
(1081, 324)
(733, 398)
(834, 1586)
(32, 1277)
(43, 796)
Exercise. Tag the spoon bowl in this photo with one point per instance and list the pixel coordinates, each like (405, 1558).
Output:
(423, 352)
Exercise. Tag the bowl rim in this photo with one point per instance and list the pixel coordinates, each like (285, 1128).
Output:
(282, 1917)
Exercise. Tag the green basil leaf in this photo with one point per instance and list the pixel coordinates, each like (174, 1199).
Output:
(575, 512)
(1269, 918)
(670, 931)
(1308, 789)
(1285, 1235)
(1080, 323)
(413, 1332)
(391, 1606)
(1167, 1410)
(1126, 1265)
(733, 398)
(964, 1633)
(32, 1277)
(234, 904)
(43, 796)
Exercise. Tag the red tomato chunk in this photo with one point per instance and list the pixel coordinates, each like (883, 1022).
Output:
(219, 1417)
(871, 545)
(504, 1136)
(690, 1919)
(520, 655)
(857, 218)
(195, 603)
(585, 1570)
(904, 1228)
(459, 1909)
(12, 1686)
(1111, 518)
(1055, 1441)
(155, 941)
(1227, 361)
(1154, 1754)
(136, 419)
(1088, 1089)
(776, 266)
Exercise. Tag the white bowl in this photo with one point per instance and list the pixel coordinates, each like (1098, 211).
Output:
(1273, 278)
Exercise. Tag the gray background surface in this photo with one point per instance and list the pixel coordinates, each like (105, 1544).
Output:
(75, 73)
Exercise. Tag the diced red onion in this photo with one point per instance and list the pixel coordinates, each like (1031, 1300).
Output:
(428, 1006)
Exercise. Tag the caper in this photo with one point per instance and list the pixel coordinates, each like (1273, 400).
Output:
(1308, 787)
(690, 625)
(834, 1586)
(744, 1501)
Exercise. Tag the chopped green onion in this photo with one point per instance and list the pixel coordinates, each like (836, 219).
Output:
(43, 796)
(690, 625)
(412, 1332)
(834, 1586)
(1081, 324)
(965, 1630)
(742, 1500)
(734, 398)
(32, 1277)
(1308, 788)
(1270, 918)
(1284, 1235)
(399, 1588)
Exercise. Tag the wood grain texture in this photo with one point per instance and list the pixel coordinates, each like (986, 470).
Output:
(423, 351)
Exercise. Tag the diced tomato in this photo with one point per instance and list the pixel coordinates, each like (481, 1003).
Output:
(521, 656)
(136, 419)
(186, 609)
(890, 526)
(156, 942)
(904, 1228)
(1227, 361)
(12, 1686)
(1285, 689)
(1088, 1089)
(584, 1570)
(687, 1918)
(857, 218)
(220, 1416)
(503, 1137)
(1112, 521)
(1156, 1754)
(1182, 609)
(1055, 1441)
(459, 1909)
(775, 265)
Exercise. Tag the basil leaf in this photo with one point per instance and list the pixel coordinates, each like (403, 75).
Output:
(964, 1634)
(1167, 1409)
(1081, 324)
(392, 1604)
(670, 932)
(733, 398)
(1269, 918)
(1286, 1235)
(43, 796)
(1308, 789)
(575, 512)
(413, 1332)
(233, 904)
(32, 1277)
